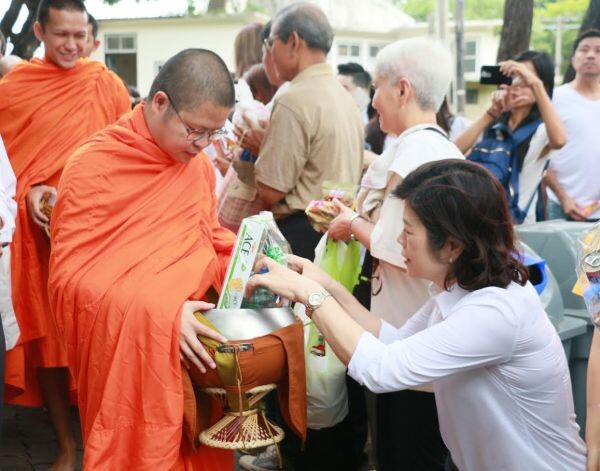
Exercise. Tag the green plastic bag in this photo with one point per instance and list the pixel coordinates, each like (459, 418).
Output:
(341, 261)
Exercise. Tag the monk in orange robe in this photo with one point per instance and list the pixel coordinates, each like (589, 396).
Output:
(136, 245)
(47, 109)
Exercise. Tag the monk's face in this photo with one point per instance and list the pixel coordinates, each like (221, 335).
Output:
(64, 36)
(170, 130)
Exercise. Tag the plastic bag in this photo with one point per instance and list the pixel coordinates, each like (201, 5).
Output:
(588, 272)
(258, 236)
(327, 396)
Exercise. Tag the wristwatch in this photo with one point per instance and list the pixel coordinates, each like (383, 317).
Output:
(314, 301)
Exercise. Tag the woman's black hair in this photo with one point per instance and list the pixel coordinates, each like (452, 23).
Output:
(544, 68)
(462, 200)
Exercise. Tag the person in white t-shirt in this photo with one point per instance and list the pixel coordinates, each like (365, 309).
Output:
(498, 367)
(574, 174)
(409, 91)
(9, 330)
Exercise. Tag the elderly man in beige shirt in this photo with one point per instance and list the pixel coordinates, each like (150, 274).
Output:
(315, 134)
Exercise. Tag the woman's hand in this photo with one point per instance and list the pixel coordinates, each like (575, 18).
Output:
(339, 227)
(34, 199)
(191, 350)
(308, 269)
(284, 282)
(521, 74)
(499, 102)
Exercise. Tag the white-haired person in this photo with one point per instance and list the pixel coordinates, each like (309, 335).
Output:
(498, 367)
(408, 93)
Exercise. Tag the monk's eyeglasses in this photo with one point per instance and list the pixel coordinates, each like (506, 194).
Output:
(196, 135)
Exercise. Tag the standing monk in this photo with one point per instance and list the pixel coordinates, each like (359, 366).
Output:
(47, 109)
(136, 245)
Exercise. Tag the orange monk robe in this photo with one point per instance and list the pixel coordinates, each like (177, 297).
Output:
(46, 112)
(134, 235)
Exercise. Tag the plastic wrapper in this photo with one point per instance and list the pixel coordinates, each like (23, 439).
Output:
(588, 272)
(322, 212)
(257, 237)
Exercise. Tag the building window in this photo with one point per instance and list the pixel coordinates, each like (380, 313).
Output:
(121, 56)
(350, 51)
(472, 97)
(373, 51)
(470, 56)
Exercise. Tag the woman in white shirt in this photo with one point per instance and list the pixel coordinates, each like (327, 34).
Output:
(499, 372)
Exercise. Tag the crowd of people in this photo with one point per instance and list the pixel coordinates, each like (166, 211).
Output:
(118, 220)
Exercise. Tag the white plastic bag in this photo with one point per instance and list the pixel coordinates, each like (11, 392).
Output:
(327, 396)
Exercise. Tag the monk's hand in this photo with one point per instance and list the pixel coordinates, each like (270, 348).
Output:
(34, 199)
(282, 281)
(191, 350)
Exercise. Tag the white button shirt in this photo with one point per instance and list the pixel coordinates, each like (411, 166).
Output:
(499, 373)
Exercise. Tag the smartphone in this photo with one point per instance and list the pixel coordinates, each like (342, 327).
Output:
(492, 75)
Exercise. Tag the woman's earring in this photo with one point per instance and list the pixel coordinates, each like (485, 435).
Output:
(451, 260)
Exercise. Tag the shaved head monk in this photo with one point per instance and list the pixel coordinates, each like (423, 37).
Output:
(136, 246)
(48, 108)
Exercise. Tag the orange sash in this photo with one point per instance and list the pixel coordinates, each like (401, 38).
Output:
(46, 112)
(134, 235)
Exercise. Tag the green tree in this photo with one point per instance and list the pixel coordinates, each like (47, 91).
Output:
(551, 15)
(421, 10)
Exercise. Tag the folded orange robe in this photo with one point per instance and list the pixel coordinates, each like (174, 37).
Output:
(134, 235)
(46, 112)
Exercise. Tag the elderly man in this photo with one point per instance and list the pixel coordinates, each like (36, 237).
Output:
(408, 93)
(135, 246)
(315, 133)
(48, 107)
(573, 173)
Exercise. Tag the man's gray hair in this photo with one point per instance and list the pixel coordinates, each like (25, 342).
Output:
(308, 21)
(426, 63)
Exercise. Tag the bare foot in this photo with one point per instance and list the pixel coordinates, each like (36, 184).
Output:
(66, 459)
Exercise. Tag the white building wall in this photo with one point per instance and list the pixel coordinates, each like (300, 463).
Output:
(157, 40)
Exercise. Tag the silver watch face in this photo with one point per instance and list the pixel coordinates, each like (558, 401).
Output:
(315, 300)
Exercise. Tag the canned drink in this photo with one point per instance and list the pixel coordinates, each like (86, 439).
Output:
(591, 266)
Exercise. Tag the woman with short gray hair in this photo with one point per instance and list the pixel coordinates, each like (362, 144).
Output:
(409, 91)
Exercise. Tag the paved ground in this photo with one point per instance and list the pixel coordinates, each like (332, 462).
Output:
(28, 442)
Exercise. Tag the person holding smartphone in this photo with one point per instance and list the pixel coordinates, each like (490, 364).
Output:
(527, 98)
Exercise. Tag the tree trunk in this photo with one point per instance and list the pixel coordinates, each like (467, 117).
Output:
(590, 20)
(516, 30)
(25, 41)
(215, 6)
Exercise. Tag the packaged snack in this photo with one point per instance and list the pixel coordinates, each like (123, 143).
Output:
(322, 212)
(258, 236)
(588, 268)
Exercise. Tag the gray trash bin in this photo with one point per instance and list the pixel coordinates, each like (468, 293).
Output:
(556, 242)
